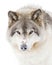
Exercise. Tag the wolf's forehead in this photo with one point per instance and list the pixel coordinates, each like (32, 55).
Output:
(25, 24)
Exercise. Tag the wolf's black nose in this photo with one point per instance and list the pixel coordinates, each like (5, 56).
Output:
(23, 47)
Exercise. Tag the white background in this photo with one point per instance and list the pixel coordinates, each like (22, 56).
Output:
(7, 55)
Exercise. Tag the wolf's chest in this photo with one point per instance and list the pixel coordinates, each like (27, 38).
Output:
(32, 59)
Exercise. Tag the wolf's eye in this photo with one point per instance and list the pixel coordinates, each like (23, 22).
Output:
(30, 32)
(18, 32)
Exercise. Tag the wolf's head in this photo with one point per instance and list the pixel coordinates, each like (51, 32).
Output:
(26, 30)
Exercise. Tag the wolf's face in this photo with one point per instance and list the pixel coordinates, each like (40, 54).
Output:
(24, 31)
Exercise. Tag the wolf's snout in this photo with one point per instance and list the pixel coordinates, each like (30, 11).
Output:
(24, 47)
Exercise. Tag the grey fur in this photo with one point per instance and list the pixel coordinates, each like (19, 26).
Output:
(25, 22)
(24, 25)
(47, 19)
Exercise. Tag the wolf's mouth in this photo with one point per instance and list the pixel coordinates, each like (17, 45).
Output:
(24, 47)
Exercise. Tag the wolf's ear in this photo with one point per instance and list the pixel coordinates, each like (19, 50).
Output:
(12, 15)
(36, 14)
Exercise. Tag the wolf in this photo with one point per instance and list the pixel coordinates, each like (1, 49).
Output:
(30, 34)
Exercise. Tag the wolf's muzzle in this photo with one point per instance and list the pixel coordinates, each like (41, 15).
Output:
(24, 47)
